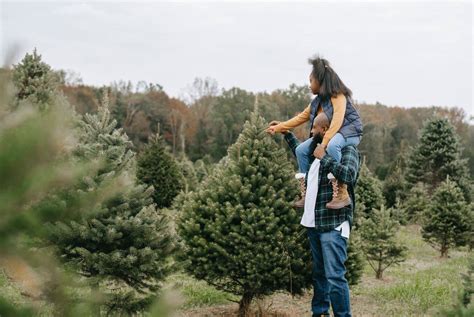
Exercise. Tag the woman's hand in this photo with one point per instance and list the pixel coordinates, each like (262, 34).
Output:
(272, 128)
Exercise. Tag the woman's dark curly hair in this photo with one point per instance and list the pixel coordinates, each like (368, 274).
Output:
(330, 83)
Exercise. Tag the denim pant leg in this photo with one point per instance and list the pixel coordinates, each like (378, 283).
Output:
(303, 155)
(336, 144)
(334, 249)
(320, 302)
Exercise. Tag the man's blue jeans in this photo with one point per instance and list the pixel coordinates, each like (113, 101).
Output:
(329, 251)
(335, 145)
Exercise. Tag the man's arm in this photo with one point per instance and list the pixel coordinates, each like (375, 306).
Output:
(292, 141)
(347, 170)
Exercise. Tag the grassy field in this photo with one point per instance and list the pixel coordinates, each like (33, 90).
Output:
(420, 286)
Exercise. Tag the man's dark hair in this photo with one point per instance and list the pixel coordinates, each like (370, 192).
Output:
(330, 83)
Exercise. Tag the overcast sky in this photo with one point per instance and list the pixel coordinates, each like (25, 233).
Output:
(397, 53)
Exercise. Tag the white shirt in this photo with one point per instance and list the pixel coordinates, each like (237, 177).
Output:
(310, 201)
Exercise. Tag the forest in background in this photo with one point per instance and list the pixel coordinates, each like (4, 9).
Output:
(207, 120)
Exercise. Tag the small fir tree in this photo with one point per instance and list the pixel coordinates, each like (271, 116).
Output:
(355, 259)
(446, 222)
(378, 234)
(368, 193)
(156, 167)
(416, 203)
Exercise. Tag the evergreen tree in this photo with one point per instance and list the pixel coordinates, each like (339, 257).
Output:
(34, 150)
(398, 213)
(416, 203)
(189, 173)
(239, 229)
(437, 155)
(34, 81)
(368, 193)
(355, 259)
(122, 247)
(379, 244)
(201, 170)
(157, 168)
(464, 306)
(446, 222)
(394, 187)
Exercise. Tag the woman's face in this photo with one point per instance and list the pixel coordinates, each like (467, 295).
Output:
(313, 84)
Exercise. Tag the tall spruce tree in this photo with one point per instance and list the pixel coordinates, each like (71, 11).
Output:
(240, 231)
(447, 221)
(379, 244)
(156, 167)
(122, 247)
(368, 193)
(437, 155)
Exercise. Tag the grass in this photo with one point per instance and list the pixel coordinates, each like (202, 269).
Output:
(197, 293)
(420, 286)
(8, 291)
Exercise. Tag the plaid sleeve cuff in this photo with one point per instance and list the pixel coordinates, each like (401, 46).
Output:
(292, 141)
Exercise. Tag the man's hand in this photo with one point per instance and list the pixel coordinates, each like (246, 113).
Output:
(272, 128)
(319, 151)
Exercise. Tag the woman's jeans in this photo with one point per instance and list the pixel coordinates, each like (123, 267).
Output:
(329, 252)
(335, 145)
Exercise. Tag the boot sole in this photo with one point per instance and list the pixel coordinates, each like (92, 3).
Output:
(338, 205)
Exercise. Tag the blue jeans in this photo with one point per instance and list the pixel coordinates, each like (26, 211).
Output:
(335, 145)
(329, 252)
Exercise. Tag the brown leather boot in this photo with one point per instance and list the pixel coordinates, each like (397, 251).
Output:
(340, 196)
(300, 203)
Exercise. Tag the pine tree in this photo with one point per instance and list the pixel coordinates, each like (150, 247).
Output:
(201, 170)
(416, 203)
(446, 222)
(34, 81)
(394, 187)
(157, 168)
(122, 247)
(239, 229)
(437, 155)
(187, 169)
(398, 213)
(368, 193)
(464, 306)
(34, 161)
(355, 259)
(379, 244)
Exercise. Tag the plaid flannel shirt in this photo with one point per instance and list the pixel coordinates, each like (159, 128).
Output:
(346, 171)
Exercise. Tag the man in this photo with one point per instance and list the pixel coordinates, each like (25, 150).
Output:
(328, 229)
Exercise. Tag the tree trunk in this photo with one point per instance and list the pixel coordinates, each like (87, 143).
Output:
(378, 274)
(444, 251)
(244, 304)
